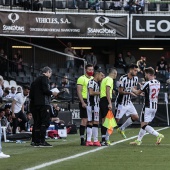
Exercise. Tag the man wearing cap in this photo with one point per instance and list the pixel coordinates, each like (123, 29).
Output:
(2, 155)
(40, 96)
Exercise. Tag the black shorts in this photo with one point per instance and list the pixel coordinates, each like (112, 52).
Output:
(103, 107)
(83, 111)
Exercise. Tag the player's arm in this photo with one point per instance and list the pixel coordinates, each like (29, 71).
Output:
(93, 93)
(12, 108)
(121, 91)
(79, 93)
(108, 97)
(137, 92)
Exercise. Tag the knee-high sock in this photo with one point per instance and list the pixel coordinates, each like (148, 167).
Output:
(89, 132)
(103, 132)
(151, 130)
(95, 132)
(141, 134)
(126, 124)
(82, 130)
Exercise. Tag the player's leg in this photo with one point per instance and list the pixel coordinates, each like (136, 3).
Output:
(103, 112)
(120, 111)
(83, 116)
(95, 118)
(90, 110)
(151, 130)
(131, 111)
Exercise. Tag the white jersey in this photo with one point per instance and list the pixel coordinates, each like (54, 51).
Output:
(127, 84)
(93, 100)
(151, 89)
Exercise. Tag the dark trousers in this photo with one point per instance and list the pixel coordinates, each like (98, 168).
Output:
(41, 122)
(20, 115)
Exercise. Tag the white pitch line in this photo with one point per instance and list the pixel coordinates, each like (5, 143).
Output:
(83, 153)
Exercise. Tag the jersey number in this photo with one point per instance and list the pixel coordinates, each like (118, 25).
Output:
(154, 93)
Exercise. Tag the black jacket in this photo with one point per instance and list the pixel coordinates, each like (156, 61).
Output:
(40, 93)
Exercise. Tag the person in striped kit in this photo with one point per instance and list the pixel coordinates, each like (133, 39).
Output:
(123, 104)
(151, 90)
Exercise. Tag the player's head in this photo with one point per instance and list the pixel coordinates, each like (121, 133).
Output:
(47, 71)
(99, 75)
(26, 90)
(89, 70)
(149, 73)
(133, 69)
(112, 73)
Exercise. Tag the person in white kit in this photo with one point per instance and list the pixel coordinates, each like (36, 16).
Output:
(151, 90)
(2, 155)
(123, 104)
(93, 98)
(17, 107)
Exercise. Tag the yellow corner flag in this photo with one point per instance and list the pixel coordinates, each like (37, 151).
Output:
(110, 122)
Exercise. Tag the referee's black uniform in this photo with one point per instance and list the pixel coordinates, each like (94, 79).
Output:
(40, 96)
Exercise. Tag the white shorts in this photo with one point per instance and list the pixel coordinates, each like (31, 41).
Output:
(93, 113)
(147, 115)
(125, 109)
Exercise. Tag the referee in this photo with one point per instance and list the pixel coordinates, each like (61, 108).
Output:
(82, 83)
(106, 92)
(40, 96)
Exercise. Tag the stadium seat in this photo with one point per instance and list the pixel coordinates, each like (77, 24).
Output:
(70, 4)
(82, 4)
(152, 7)
(7, 3)
(12, 83)
(60, 4)
(6, 84)
(47, 4)
(120, 71)
(164, 7)
(104, 6)
(21, 74)
(1, 2)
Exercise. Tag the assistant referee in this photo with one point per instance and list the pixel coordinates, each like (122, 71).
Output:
(106, 92)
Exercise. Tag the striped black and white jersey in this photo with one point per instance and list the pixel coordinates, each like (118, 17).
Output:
(127, 84)
(93, 100)
(151, 89)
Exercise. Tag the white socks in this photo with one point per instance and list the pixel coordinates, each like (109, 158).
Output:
(126, 124)
(141, 134)
(151, 130)
(89, 133)
(95, 133)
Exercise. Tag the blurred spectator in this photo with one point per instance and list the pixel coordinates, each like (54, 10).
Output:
(94, 4)
(129, 59)
(129, 5)
(3, 62)
(6, 94)
(25, 126)
(120, 62)
(1, 86)
(162, 66)
(140, 6)
(141, 64)
(13, 92)
(37, 5)
(70, 51)
(7, 110)
(27, 5)
(52, 85)
(80, 63)
(19, 89)
(91, 59)
(14, 66)
(3, 119)
(65, 82)
(20, 66)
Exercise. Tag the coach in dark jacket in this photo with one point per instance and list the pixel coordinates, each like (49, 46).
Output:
(40, 96)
